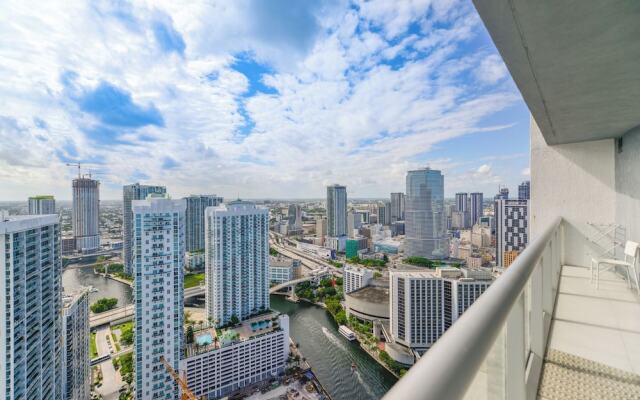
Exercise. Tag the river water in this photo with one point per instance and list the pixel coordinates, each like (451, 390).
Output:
(329, 354)
(74, 278)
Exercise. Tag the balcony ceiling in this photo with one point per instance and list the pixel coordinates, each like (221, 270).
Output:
(576, 63)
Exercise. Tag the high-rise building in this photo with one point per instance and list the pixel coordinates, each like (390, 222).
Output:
(30, 257)
(336, 210)
(294, 216)
(424, 304)
(503, 194)
(462, 206)
(476, 210)
(39, 205)
(524, 190)
(425, 229)
(158, 262)
(237, 261)
(512, 228)
(76, 361)
(196, 204)
(321, 229)
(397, 206)
(132, 192)
(85, 217)
(384, 213)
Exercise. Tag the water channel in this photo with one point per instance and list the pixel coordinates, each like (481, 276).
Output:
(329, 354)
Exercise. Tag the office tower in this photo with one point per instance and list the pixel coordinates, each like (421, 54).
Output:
(237, 261)
(39, 205)
(356, 277)
(31, 305)
(321, 229)
(503, 194)
(158, 261)
(76, 370)
(130, 193)
(295, 216)
(196, 204)
(283, 269)
(85, 217)
(462, 206)
(512, 228)
(425, 229)
(336, 210)
(476, 210)
(397, 207)
(384, 213)
(524, 190)
(364, 216)
(424, 304)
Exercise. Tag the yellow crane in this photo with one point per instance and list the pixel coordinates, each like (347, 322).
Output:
(186, 393)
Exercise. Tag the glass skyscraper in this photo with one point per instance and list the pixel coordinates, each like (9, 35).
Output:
(30, 274)
(336, 210)
(425, 228)
(86, 214)
(194, 223)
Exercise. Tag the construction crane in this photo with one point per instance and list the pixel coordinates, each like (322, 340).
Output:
(75, 165)
(186, 393)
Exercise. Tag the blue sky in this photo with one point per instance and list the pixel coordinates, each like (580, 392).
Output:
(254, 98)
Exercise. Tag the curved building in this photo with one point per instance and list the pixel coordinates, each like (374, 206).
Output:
(425, 228)
(369, 303)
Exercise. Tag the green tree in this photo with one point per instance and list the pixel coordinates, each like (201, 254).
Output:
(104, 304)
(189, 335)
(234, 320)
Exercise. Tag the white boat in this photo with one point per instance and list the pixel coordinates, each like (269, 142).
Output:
(346, 332)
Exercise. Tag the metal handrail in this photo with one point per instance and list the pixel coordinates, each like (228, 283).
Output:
(447, 369)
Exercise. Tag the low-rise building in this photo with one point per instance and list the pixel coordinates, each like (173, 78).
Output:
(194, 261)
(255, 350)
(369, 303)
(283, 269)
(355, 277)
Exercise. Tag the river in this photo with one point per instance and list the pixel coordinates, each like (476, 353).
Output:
(74, 278)
(329, 354)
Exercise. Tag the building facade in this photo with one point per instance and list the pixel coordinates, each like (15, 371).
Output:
(158, 264)
(30, 283)
(397, 207)
(232, 366)
(355, 277)
(425, 228)
(237, 261)
(424, 304)
(130, 193)
(76, 361)
(40, 205)
(384, 213)
(283, 269)
(512, 228)
(85, 217)
(336, 210)
(524, 190)
(476, 209)
(196, 204)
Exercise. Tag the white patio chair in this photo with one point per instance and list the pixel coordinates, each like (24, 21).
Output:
(629, 263)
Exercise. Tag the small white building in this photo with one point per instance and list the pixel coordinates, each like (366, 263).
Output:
(283, 269)
(355, 277)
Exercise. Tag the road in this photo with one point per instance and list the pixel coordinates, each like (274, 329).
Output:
(308, 260)
(111, 379)
(106, 317)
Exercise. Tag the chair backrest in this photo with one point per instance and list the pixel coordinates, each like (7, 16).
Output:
(630, 249)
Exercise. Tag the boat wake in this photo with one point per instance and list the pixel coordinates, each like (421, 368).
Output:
(363, 384)
(334, 339)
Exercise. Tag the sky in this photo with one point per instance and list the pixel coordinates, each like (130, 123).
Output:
(255, 99)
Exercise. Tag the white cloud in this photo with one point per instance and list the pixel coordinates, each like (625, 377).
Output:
(526, 172)
(341, 112)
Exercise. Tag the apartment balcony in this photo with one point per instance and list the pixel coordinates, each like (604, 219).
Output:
(544, 330)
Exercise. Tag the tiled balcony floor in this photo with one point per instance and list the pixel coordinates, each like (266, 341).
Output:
(601, 329)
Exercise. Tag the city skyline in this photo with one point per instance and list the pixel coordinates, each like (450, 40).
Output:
(398, 94)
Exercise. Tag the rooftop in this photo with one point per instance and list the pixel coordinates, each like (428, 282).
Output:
(371, 294)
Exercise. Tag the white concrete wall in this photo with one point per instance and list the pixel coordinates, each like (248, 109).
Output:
(627, 168)
(576, 181)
